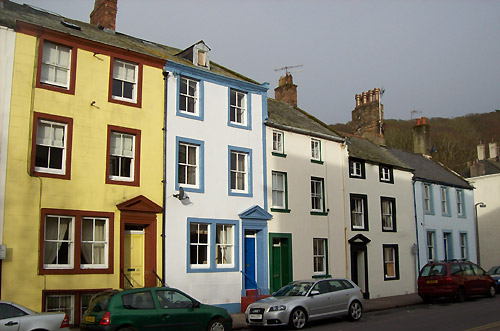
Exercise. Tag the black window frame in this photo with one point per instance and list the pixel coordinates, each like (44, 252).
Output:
(362, 164)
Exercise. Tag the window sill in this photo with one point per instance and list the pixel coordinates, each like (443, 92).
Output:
(389, 279)
(358, 229)
(279, 210)
(389, 230)
(319, 213)
(279, 154)
(356, 177)
(317, 161)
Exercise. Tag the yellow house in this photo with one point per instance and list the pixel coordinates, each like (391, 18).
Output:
(82, 160)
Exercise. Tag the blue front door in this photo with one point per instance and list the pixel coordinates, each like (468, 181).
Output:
(250, 262)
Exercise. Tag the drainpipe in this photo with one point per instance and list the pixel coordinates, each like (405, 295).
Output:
(164, 181)
(416, 230)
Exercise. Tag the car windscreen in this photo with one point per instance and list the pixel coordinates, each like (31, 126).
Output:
(433, 270)
(494, 271)
(293, 290)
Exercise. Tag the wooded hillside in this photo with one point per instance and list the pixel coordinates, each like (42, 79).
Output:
(454, 139)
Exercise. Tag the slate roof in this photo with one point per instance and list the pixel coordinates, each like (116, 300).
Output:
(285, 117)
(428, 170)
(11, 13)
(366, 150)
(489, 167)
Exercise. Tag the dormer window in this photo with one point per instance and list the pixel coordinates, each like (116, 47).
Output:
(202, 58)
(198, 54)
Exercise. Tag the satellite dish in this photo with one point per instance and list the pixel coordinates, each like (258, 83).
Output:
(182, 195)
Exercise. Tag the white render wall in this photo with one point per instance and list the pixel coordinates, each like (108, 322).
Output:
(214, 203)
(299, 222)
(7, 45)
(487, 191)
(438, 223)
(405, 237)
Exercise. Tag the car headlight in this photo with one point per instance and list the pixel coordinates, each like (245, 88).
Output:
(277, 308)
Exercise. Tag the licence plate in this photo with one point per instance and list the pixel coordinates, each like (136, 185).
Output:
(255, 316)
(432, 281)
(90, 319)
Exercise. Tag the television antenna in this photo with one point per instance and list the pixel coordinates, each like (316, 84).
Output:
(415, 112)
(286, 68)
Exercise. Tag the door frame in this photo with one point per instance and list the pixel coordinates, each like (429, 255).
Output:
(141, 211)
(288, 255)
(254, 260)
(358, 243)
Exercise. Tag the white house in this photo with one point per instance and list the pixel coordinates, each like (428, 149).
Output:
(215, 227)
(380, 224)
(304, 190)
(484, 175)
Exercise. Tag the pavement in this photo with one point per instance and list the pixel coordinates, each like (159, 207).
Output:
(376, 304)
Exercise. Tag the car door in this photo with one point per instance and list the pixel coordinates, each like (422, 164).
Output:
(10, 317)
(179, 312)
(481, 283)
(139, 311)
(320, 303)
(339, 296)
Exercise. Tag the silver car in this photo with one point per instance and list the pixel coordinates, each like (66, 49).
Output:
(19, 318)
(301, 301)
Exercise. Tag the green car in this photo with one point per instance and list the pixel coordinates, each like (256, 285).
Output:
(156, 308)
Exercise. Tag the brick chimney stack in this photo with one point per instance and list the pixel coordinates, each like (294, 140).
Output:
(286, 90)
(422, 137)
(368, 116)
(104, 13)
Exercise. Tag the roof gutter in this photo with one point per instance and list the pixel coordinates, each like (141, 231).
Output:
(304, 131)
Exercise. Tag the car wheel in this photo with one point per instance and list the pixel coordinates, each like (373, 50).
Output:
(355, 311)
(492, 291)
(217, 324)
(460, 296)
(298, 318)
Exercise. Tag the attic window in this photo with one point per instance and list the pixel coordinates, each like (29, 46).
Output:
(202, 58)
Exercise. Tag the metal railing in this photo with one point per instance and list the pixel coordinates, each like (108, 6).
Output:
(253, 283)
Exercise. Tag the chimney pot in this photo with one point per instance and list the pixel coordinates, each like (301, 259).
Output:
(370, 96)
(481, 152)
(104, 13)
(377, 94)
(365, 96)
(418, 121)
(493, 150)
(358, 99)
(424, 120)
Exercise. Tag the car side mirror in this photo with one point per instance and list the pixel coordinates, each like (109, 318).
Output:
(314, 292)
(196, 304)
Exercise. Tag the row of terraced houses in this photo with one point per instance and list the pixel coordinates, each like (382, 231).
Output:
(127, 163)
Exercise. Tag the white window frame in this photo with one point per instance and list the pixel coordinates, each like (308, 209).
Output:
(227, 244)
(463, 245)
(358, 212)
(51, 144)
(95, 243)
(68, 310)
(357, 169)
(121, 155)
(385, 174)
(431, 242)
(387, 215)
(237, 172)
(199, 244)
(188, 96)
(278, 178)
(388, 260)
(315, 149)
(427, 198)
(319, 243)
(317, 185)
(186, 165)
(278, 139)
(239, 107)
(444, 201)
(460, 203)
(70, 241)
(123, 80)
(56, 66)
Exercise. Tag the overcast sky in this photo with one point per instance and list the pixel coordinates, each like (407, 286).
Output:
(441, 58)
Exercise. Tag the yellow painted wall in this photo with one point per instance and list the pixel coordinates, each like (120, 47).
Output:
(26, 195)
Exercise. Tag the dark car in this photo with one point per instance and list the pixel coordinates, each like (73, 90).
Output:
(158, 308)
(458, 279)
(494, 272)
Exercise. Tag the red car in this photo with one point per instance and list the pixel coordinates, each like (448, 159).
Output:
(458, 279)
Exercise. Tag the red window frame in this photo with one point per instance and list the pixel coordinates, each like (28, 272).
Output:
(78, 215)
(137, 155)
(138, 99)
(69, 142)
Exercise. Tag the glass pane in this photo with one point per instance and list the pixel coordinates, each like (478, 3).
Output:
(183, 86)
(42, 156)
(182, 103)
(240, 181)
(115, 142)
(241, 162)
(114, 165)
(99, 253)
(190, 106)
(48, 256)
(233, 161)
(182, 154)
(128, 90)
(65, 228)
(181, 174)
(63, 253)
(203, 233)
(191, 175)
(56, 158)
(87, 229)
(125, 167)
(128, 145)
(202, 254)
(192, 155)
(100, 230)
(233, 98)
(192, 88)
(233, 180)
(193, 233)
(86, 258)
(51, 225)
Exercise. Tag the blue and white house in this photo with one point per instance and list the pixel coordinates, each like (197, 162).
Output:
(215, 201)
(444, 206)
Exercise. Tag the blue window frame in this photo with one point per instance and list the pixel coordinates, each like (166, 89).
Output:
(445, 201)
(213, 245)
(190, 98)
(460, 196)
(240, 171)
(428, 200)
(190, 165)
(239, 109)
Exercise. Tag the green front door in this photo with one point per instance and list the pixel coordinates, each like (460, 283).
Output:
(280, 245)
